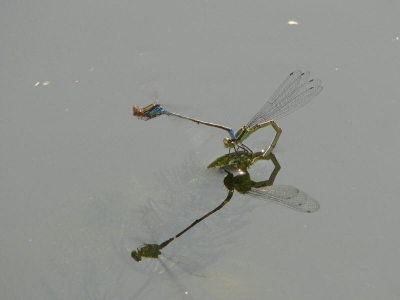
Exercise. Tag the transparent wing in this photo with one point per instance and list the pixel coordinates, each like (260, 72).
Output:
(287, 196)
(294, 92)
(186, 264)
(150, 222)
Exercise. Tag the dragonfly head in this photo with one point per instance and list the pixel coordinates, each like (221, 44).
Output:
(229, 142)
(136, 256)
(137, 112)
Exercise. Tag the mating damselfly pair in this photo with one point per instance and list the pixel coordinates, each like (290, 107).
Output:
(294, 92)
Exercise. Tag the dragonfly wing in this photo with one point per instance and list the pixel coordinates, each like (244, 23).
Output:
(186, 264)
(287, 196)
(297, 99)
(294, 92)
(150, 222)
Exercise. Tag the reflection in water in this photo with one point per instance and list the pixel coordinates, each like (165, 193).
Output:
(89, 256)
(170, 265)
(153, 250)
(231, 183)
(286, 195)
(89, 250)
(188, 192)
(240, 161)
(151, 225)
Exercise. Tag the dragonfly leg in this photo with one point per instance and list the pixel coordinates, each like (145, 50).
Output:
(245, 148)
(276, 138)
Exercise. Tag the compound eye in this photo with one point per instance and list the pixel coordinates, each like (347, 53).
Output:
(137, 112)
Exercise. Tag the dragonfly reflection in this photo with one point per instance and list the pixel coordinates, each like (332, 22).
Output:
(285, 195)
(162, 265)
(154, 250)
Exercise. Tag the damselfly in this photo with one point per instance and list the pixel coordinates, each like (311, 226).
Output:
(294, 92)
